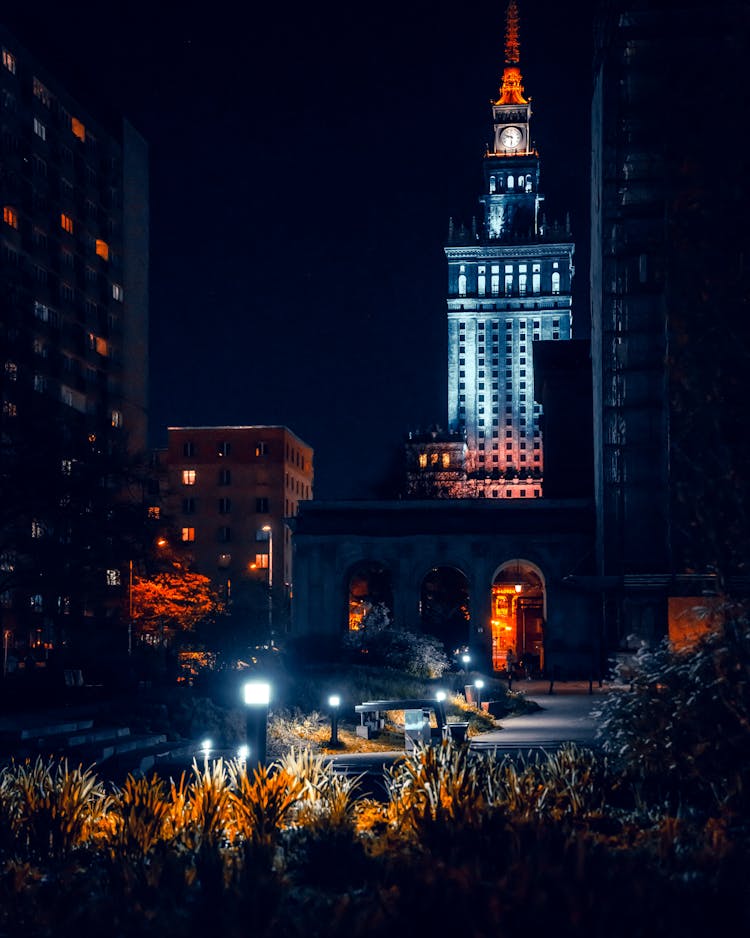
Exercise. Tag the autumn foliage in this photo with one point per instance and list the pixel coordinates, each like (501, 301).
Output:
(173, 602)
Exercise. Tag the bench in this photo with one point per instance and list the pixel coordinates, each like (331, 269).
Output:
(417, 728)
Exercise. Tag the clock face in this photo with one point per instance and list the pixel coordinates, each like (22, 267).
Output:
(510, 137)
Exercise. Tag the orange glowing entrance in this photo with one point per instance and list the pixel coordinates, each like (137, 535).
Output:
(518, 617)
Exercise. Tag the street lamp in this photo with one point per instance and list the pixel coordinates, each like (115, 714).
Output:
(257, 695)
(479, 684)
(334, 702)
(130, 607)
(269, 531)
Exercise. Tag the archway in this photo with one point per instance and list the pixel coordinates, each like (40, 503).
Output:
(370, 592)
(444, 607)
(518, 616)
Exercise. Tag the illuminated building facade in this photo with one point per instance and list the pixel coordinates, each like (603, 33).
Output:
(73, 348)
(509, 285)
(229, 488)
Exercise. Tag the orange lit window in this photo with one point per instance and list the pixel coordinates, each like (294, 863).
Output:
(446, 460)
(10, 216)
(423, 460)
(9, 61)
(116, 418)
(188, 476)
(66, 222)
(102, 249)
(101, 346)
(188, 535)
(154, 511)
(78, 129)
(261, 561)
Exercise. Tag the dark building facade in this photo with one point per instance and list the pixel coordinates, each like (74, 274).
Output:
(73, 340)
(670, 334)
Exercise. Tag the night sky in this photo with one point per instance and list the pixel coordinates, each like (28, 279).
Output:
(304, 165)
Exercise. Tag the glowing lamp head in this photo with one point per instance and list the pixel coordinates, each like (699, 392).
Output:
(440, 695)
(242, 753)
(466, 658)
(334, 701)
(206, 745)
(257, 693)
(479, 683)
(518, 587)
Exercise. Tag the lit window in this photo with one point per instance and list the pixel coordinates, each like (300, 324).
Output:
(261, 561)
(423, 460)
(66, 223)
(41, 92)
(154, 511)
(261, 448)
(555, 282)
(117, 292)
(10, 216)
(116, 418)
(187, 535)
(102, 249)
(113, 577)
(188, 476)
(9, 61)
(522, 284)
(462, 284)
(37, 529)
(446, 460)
(78, 128)
(8, 561)
(39, 129)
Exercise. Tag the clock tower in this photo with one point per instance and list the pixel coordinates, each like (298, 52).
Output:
(509, 286)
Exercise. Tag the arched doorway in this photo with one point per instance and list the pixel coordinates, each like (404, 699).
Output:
(518, 615)
(369, 593)
(444, 607)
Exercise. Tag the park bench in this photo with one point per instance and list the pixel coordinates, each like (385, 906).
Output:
(417, 720)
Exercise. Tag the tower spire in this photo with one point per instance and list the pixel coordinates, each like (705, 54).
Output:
(511, 90)
(512, 35)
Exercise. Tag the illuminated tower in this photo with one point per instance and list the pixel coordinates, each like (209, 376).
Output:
(509, 285)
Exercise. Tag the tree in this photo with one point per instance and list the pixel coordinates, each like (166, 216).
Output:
(171, 602)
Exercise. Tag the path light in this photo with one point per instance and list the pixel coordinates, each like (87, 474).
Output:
(479, 684)
(205, 749)
(257, 695)
(334, 702)
(243, 752)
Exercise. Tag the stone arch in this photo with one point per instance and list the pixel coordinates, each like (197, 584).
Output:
(519, 612)
(368, 586)
(444, 605)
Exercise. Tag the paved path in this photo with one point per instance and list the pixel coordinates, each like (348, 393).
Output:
(564, 716)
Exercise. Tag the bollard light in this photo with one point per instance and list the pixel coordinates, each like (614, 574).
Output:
(479, 684)
(257, 695)
(243, 752)
(334, 702)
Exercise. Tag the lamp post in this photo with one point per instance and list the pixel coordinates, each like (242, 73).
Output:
(205, 749)
(479, 684)
(334, 702)
(257, 695)
(267, 528)
(130, 607)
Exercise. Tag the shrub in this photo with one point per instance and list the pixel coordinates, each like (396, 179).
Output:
(682, 731)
